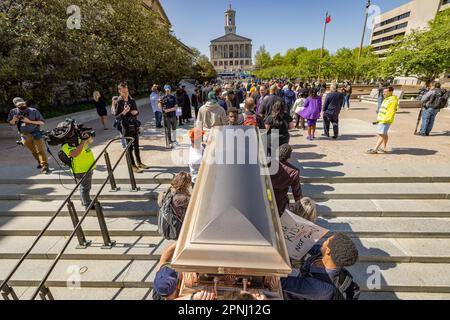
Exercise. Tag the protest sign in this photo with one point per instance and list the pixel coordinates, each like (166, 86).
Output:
(300, 234)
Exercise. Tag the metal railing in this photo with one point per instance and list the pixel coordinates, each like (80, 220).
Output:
(7, 291)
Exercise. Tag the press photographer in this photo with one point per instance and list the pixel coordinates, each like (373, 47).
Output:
(75, 152)
(126, 113)
(28, 122)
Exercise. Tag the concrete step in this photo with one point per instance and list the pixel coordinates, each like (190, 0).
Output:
(85, 273)
(62, 226)
(403, 277)
(89, 294)
(126, 248)
(327, 208)
(163, 175)
(389, 227)
(111, 208)
(147, 226)
(30, 176)
(49, 192)
(378, 191)
(151, 248)
(315, 191)
(384, 208)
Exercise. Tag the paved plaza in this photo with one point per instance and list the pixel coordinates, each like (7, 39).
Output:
(396, 208)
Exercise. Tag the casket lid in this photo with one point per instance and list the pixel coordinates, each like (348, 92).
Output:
(232, 224)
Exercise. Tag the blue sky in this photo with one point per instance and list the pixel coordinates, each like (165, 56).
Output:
(279, 25)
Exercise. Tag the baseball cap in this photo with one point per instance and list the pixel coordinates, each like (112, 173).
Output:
(167, 88)
(19, 102)
(166, 282)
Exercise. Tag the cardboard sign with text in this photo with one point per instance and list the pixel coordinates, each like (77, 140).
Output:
(300, 234)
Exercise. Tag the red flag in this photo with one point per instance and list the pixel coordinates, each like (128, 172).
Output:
(328, 20)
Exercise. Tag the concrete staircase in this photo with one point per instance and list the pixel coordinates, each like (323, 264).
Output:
(401, 226)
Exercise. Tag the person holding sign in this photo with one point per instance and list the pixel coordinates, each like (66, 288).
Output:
(323, 276)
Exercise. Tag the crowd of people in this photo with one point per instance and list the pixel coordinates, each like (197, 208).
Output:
(277, 107)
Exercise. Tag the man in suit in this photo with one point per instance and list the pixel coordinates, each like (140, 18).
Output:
(332, 108)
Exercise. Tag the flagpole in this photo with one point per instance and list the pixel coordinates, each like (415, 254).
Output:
(364, 28)
(324, 32)
(323, 44)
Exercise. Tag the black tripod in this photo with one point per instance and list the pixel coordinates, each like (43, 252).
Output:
(166, 131)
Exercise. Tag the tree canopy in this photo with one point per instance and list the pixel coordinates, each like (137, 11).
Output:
(312, 64)
(43, 60)
(425, 55)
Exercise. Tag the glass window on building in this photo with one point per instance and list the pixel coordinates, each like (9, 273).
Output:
(231, 63)
(215, 63)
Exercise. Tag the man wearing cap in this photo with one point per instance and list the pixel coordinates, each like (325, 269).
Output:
(169, 106)
(211, 114)
(28, 122)
(166, 285)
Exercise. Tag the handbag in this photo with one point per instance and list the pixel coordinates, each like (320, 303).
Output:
(179, 112)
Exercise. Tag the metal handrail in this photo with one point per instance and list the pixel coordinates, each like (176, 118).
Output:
(5, 289)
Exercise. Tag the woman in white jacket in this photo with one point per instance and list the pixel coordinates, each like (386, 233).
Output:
(297, 109)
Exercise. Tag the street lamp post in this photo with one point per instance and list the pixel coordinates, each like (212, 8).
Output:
(364, 28)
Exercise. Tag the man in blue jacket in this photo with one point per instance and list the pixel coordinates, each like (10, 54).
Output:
(332, 108)
(322, 270)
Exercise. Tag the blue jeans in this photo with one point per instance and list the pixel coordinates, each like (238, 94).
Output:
(346, 101)
(428, 117)
(158, 119)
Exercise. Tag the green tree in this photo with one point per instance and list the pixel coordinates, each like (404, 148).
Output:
(203, 69)
(425, 54)
(43, 60)
(262, 58)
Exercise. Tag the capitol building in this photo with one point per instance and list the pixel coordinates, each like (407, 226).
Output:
(231, 52)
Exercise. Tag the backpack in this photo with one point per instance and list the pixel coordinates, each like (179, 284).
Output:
(439, 100)
(169, 224)
(344, 286)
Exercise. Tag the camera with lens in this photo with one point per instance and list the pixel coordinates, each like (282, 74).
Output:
(69, 132)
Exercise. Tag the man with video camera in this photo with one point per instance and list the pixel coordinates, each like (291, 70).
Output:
(126, 113)
(28, 122)
(81, 158)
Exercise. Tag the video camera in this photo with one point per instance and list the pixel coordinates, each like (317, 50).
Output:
(69, 132)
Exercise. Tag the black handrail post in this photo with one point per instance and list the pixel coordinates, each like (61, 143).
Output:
(130, 171)
(7, 290)
(44, 293)
(112, 180)
(108, 244)
(82, 242)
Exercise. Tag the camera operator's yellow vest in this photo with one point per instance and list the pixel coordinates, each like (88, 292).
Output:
(83, 162)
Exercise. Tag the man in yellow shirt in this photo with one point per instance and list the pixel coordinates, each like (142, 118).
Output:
(82, 159)
(386, 117)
